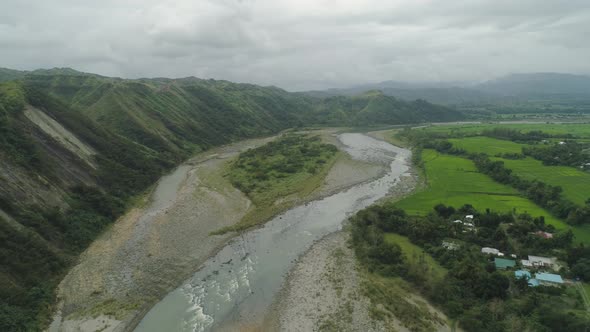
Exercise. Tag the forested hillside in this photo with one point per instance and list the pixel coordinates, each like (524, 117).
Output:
(75, 148)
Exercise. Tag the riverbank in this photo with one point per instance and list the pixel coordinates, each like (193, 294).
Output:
(325, 290)
(322, 292)
(152, 249)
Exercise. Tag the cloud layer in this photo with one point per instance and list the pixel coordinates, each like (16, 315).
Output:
(301, 44)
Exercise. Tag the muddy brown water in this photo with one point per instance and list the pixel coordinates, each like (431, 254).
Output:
(236, 286)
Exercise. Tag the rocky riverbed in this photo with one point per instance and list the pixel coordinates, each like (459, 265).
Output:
(154, 247)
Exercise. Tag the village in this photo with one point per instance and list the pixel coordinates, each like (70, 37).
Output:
(536, 270)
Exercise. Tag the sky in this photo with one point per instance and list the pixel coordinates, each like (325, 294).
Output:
(298, 44)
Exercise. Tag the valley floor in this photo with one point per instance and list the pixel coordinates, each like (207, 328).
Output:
(152, 249)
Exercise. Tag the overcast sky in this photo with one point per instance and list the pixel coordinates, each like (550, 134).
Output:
(298, 44)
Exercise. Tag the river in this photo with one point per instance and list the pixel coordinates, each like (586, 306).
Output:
(236, 287)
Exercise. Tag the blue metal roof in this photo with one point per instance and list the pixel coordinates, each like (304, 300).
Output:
(533, 282)
(549, 277)
(522, 274)
(502, 263)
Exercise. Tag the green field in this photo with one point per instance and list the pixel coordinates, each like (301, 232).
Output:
(413, 253)
(455, 181)
(575, 183)
(487, 145)
(581, 130)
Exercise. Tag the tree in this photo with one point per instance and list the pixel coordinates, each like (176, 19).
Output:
(582, 269)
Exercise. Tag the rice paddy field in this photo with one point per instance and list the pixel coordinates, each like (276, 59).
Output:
(487, 145)
(574, 182)
(580, 130)
(455, 181)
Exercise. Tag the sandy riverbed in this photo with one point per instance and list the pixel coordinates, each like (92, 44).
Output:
(148, 252)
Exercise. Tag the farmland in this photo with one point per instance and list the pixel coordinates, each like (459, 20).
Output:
(575, 182)
(487, 145)
(580, 130)
(455, 181)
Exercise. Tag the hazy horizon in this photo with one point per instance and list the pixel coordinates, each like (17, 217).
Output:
(299, 45)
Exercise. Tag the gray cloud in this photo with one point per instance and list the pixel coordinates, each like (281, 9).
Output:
(302, 44)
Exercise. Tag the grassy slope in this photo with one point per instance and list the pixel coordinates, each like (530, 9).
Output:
(455, 181)
(393, 293)
(413, 253)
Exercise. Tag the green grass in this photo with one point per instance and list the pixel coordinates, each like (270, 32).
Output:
(455, 181)
(578, 129)
(575, 183)
(413, 254)
(487, 145)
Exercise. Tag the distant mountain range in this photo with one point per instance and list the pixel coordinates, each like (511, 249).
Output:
(511, 88)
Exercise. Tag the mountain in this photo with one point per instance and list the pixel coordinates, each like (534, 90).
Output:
(375, 107)
(76, 147)
(514, 88)
(538, 85)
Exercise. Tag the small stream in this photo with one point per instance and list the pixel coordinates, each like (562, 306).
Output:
(236, 287)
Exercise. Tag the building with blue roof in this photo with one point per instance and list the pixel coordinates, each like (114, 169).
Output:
(548, 279)
(522, 274)
(526, 275)
(503, 264)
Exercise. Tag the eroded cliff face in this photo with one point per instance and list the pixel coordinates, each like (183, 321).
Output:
(72, 163)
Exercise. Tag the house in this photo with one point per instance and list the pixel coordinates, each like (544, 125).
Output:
(538, 261)
(502, 263)
(468, 224)
(489, 251)
(561, 143)
(457, 222)
(548, 279)
(544, 235)
(469, 216)
(450, 245)
(513, 255)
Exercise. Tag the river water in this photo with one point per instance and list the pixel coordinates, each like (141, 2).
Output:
(236, 287)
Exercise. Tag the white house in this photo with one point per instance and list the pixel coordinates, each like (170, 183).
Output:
(457, 222)
(539, 261)
(526, 263)
(450, 245)
(469, 216)
(489, 251)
